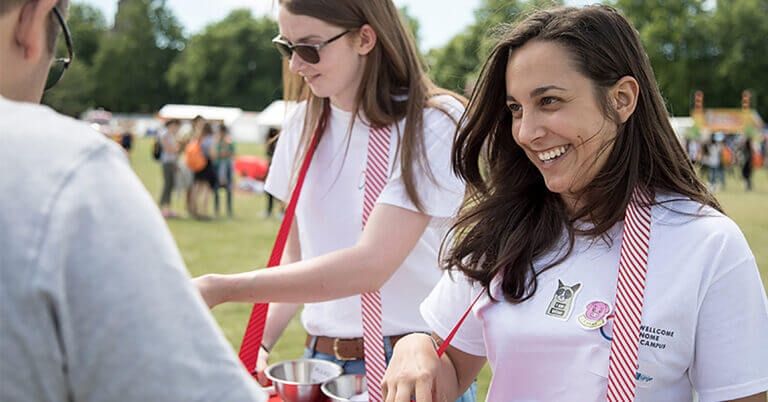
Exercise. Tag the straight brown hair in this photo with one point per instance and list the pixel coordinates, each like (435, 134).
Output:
(511, 218)
(394, 85)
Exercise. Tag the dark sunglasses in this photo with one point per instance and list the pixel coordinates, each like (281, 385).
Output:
(60, 64)
(308, 52)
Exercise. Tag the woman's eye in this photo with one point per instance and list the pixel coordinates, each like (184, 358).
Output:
(548, 100)
(515, 109)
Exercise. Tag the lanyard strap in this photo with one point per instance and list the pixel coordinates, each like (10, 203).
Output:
(251, 345)
(630, 291)
(376, 168)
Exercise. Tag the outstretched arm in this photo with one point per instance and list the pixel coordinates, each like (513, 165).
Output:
(388, 238)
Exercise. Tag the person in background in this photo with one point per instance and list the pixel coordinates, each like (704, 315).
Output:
(746, 167)
(169, 152)
(197, 132)
(205, 179)
(271, 141)
(225, 152)
(712, 159)
(95, 300)
(126, 139)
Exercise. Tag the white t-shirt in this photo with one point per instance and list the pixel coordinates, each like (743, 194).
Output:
(704, 324)
(329, 212)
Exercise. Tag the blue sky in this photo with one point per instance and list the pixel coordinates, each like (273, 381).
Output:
(440, 19)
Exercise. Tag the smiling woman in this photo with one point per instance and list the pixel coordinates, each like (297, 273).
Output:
(583, 203)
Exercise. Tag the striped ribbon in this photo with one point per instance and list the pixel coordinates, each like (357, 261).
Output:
(376, 168)
(630, 291)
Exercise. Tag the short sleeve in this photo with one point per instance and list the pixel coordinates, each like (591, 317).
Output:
(442, 194)
(131, 324)
(445, 306)
(279, 177)
(731, 356)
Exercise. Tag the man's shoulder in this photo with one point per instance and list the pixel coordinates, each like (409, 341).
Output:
(37, 135)
(43, 149)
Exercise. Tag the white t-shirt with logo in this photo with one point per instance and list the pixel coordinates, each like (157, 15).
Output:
(329, 212)
(704, 323)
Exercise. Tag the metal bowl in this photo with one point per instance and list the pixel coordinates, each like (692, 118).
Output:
(343, 388)
(300, 380)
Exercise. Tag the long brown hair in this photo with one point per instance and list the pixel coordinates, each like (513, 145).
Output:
(511, 218)
(394, 85)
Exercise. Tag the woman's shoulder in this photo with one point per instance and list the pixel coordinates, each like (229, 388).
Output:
(293, 121)
(698, 223)
(443, 106)
(441, 116)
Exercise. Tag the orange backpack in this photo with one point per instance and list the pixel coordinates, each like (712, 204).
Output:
(194, 157)
(726, 156)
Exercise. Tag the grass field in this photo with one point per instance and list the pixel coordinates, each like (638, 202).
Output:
(245, 241)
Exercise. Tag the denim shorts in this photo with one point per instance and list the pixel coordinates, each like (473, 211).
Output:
(358, 366)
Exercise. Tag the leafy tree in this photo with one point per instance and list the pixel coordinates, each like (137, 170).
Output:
(87, 26)
(412, 23)
(232, 63)
(741, 38)
(676, 35)
(132, 60)
(456, 65)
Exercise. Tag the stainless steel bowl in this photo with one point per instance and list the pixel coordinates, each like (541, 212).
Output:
(300, 380)
(344, 387)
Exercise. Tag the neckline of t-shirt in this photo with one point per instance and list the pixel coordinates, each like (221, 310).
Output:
(346, 117)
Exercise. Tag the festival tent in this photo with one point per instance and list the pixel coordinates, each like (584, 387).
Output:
(275, 114)
(226, 115)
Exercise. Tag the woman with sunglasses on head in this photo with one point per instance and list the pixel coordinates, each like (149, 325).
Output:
(601, 264)
(364, 83)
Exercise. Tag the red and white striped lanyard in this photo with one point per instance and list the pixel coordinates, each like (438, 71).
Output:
(376, 172)
(630, 292)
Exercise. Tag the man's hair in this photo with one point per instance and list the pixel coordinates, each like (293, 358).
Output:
(53, 25)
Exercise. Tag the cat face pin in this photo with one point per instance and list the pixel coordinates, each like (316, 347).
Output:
(561, 305)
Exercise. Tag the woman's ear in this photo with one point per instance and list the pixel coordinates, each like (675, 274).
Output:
(624, 95)
(366, 40)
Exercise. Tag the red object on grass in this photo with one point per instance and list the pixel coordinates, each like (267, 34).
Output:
(251, 166)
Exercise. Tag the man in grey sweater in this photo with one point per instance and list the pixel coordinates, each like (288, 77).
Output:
(95, 301)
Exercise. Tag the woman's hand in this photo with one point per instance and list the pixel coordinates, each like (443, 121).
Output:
(208, 287)
(262, 362)
(414, 370)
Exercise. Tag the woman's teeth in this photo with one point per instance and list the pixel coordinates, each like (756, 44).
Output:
(552, 154)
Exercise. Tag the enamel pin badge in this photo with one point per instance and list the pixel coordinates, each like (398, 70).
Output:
(561, 305)
(596, 315)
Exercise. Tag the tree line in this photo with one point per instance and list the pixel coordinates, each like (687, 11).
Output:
(145, 61)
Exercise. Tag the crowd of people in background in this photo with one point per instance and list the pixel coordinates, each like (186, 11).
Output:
(196, 164)
(728, 155)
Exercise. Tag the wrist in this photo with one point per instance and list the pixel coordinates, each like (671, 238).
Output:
(216, 284)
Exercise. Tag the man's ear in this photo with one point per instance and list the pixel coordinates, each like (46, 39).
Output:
(366, 40)
(32, 28)
(624, 95)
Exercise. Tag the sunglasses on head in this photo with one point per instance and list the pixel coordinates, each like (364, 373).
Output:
(308, 52)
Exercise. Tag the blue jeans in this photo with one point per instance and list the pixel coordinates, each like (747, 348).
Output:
(358, 366)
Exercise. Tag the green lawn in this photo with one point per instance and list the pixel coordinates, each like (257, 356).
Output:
(245, 241)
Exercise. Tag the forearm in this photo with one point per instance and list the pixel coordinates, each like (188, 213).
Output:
(278, 318)
(335, 275)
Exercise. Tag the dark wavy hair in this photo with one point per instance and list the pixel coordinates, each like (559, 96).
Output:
(510, 218)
